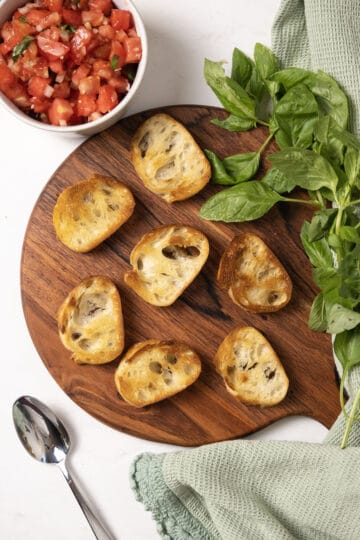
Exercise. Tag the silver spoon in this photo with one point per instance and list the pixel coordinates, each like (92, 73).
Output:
(46, 439)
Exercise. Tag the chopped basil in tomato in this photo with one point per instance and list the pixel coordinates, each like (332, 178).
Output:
(21, 47)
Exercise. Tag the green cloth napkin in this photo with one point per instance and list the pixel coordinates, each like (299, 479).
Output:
(257, 490)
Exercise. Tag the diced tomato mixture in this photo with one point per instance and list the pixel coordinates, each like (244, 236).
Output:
(68, 62)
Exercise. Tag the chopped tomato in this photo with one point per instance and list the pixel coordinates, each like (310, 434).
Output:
(36, 16)
(117, 55)
(133, 50)
(61, 90)
(86, 105)
(121, 84)
(120, 35)
(57, 66)
(103, 51)
(82, 71)
(18, 94)
(106, 31)
(79, 41)
(108, 98)
(103, 69)
(60, 112)
(40, 105)
(14, 32)
(53, 5)
(90, 85)
(120, 19)
(101, 5)
(37, 86)
(7, 78)
(52, 49)
(72, 17)
(95, 18)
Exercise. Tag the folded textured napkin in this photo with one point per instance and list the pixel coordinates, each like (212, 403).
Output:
(271, 490)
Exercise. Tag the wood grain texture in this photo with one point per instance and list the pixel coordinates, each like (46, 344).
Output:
(201, 317)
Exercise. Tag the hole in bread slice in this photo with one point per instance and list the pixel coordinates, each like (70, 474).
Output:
(154, 370)
(250, 368)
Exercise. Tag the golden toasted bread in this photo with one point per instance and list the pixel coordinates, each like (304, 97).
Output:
(251, 369)
(168, 160)
(88, 212)
(90, 321)
(154, 370)
(254, 278)
(165, 261)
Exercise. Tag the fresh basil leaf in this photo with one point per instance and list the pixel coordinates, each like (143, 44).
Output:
(289, 77)
(256, 85)
(277, 181)
(235, 123)
(241, 68)
(349, 270)
(352, 163)
(273, 88)
(320, 223)
(21, 47)
(244, 202)
(318, 251)
(331, 146)
(308, 169)
(218, 172)
(331, 99)
(347, 347)
(318, 316)
(328, 279)
(347, 138)
(232, 96)
(265, 61)
(242, 166)
(341, 318)
(297, 114)
(350, 234)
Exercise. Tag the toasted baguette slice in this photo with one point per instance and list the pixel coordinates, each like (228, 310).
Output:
(251, 369)
(168, 160)
(88, 212)
(90, 322)
(254, 278)
(165, 261)
(154, 370)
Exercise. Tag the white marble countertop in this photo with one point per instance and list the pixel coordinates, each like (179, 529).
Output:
(35, 502)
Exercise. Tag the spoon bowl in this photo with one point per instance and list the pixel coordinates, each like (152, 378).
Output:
(45, 438)
(42, 434)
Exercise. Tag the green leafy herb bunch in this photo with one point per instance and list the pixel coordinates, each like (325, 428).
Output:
(307, 115)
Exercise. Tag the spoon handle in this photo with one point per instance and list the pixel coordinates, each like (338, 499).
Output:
(97, 527)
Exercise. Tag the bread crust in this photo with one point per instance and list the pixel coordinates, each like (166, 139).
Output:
(168, 160)
(88, 212)
(90, 321)
(250, 368)
(154, 370)
(253, 276)
(165, 261)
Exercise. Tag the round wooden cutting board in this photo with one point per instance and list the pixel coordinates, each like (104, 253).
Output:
(201, 317)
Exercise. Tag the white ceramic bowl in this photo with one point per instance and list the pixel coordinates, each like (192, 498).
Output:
(7, 7)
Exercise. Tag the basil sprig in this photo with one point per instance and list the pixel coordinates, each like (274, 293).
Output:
(307, 114)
